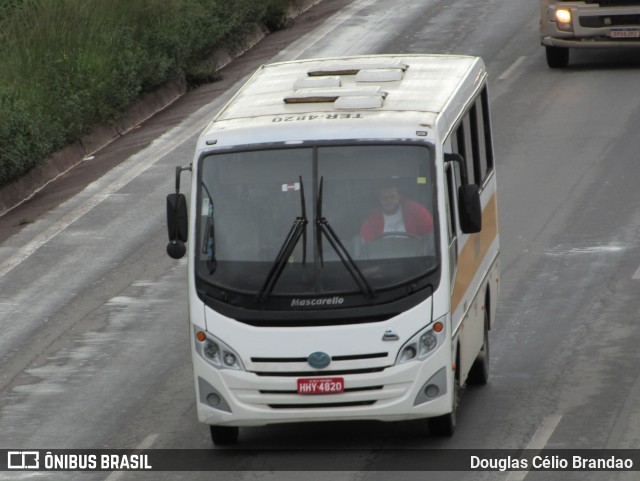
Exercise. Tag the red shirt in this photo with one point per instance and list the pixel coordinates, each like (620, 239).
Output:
(418, 221)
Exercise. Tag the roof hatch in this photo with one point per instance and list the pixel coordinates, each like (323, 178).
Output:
(379, 75)
(354, 68)
(315, 82)
(360, 102)
(325, 84)
(331, 95)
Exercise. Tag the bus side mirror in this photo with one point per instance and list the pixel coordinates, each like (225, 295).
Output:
(470, 209)
(177, 222)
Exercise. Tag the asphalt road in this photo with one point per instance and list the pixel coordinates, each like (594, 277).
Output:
(93, 314)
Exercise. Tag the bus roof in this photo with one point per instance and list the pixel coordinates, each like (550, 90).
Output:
(385, 84)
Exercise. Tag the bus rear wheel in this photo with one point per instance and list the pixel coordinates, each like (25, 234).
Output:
(224, 435)
(557, 57)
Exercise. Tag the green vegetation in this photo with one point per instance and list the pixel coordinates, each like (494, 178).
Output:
(68, 66)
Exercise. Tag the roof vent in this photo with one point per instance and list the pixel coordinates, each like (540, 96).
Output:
(379, 75)
(331, 95)
(354, 68)
(316, 82)
(360, 102)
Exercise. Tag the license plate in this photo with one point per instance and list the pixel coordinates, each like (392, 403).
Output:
(624, 33)
(321, 385)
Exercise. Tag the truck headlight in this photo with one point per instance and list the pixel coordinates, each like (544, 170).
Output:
(563, 18)
(424, 343)
(216, 352)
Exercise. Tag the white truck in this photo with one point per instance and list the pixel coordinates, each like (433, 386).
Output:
(566, 24)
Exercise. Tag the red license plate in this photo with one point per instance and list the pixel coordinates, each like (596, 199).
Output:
(321, 385)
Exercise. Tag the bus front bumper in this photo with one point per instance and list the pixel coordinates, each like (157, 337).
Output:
(412, 390)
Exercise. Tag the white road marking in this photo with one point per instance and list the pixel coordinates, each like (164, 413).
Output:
(514, 66)
(145, 444)
(312, 38)
(539, 441)
(636, 276)
(571, 251)
(148, 441)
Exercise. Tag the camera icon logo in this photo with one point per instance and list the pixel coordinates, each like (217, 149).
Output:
(23, 460)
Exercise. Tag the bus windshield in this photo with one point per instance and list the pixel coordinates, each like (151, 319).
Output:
(309, 221)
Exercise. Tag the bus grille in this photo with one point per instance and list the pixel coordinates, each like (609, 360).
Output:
(344, 372)
(341, 365)
(367, 381)
(353, 357)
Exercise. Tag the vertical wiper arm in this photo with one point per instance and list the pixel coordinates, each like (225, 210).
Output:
(325, 228)
(298, 229)
(303, 218)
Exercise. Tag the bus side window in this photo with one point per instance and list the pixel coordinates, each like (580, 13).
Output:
(481, 133)
(486, 127)
(472, 140)
(450, 200)
(478, 155)
(462, 144)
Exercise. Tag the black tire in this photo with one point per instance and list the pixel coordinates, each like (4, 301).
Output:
(479, 373)
(224, 435)
(557, 57)
(445, 425)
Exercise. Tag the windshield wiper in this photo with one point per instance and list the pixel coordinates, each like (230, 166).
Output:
(209, 236)
(325, 228)
(298, 229)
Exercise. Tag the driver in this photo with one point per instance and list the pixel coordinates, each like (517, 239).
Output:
(396, 214)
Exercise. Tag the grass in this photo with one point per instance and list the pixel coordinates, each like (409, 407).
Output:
(68, 66)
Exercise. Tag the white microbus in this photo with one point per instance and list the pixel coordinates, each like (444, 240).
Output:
(568, 24)
(344, 252)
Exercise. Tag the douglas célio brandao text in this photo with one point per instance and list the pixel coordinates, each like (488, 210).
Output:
(550, 463)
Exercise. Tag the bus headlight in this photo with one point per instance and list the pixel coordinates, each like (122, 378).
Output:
(216, 352)
(428, 342)
(423, 344)
(210, 349)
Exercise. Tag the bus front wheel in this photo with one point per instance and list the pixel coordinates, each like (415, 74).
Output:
(445, 425)
(479, 373)
(224, 435)
(557, 57)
